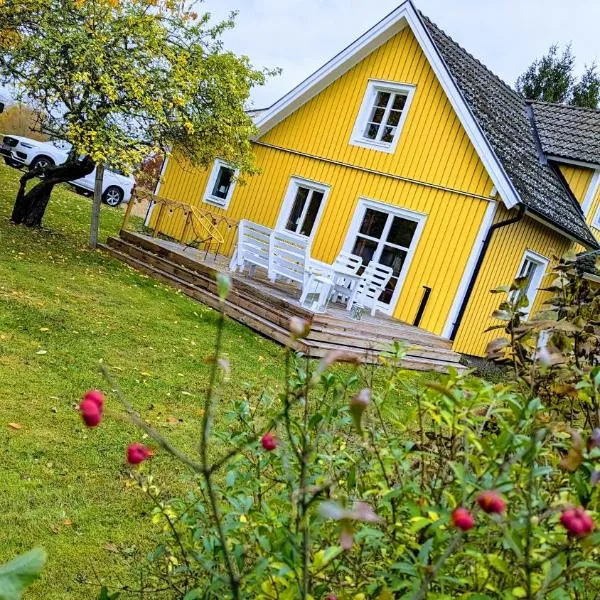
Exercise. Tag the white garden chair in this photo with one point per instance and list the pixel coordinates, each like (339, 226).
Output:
(288, 257)
(342, 274)
(374, 279)
(252, 248)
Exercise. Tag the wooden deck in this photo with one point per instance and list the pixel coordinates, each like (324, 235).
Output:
(267, 307)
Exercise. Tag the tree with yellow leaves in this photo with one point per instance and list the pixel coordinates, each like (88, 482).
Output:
(120, 80)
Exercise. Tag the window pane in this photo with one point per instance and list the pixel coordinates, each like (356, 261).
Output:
(377, 115)
(372, 131)
(382, 99)
(311, 214)
(223, 183)
(373, 223)
(394, 117)
(402, 232)
(391, 257)
(399, 101)
(297, 208)
(364, 248)
(388, 135)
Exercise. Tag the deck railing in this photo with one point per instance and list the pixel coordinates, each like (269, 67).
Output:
(192, 226)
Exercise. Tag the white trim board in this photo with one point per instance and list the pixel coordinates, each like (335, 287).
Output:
(594, 187)
(404, 15)
(570, 161)
(461, 292)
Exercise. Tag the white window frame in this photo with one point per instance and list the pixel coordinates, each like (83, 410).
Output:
(536, 281)
(373, 87)
(208, 198)
(398, 211)
(596, 219)
(290, 197)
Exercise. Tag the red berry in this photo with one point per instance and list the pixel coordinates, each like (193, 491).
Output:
(491, 502)
(137, 453)
(462, 519)
(577, 522)
(331, 597)
(269, 442)
(90, 413)
(95, 396)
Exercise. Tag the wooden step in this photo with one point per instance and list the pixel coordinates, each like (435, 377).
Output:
(262, 306)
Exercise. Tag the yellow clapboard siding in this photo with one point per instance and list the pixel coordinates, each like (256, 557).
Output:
(314, 143)
(451, 226)
(500, 267)
(578, 178)
(433, 145)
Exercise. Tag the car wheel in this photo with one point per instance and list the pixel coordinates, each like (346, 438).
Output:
(113, 195)
(41, 162)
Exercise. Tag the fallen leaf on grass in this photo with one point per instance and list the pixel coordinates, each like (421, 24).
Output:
(172, 420)
(111, 548)
(15, 425)
(44, 329)
(42, 352)
(68, 522)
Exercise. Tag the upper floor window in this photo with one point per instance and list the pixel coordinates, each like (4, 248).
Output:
(382, 115)
(221, 184)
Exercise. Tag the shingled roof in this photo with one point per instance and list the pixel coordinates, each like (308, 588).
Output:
(569, 132)
(507, 122)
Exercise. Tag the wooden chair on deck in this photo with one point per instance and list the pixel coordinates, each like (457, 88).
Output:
(374, 280)
(288, 257)
(252, 248)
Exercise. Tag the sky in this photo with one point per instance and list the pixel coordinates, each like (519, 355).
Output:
(506, 35)
(301, 35)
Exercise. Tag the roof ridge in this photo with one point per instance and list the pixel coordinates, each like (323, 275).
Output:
(497, 77)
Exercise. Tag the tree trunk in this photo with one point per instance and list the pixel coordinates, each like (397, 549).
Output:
(96, 204)
(29, 207)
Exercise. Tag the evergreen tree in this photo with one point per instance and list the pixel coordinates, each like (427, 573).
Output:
(552, 79)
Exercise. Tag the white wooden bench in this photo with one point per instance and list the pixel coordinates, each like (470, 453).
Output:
(288, 257)
(252, 248)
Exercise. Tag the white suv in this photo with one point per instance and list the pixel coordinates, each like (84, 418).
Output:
(19, 151)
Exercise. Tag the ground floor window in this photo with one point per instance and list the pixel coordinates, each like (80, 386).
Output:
(387, 235)
(221, 184)
(532, 269)
(302, 207)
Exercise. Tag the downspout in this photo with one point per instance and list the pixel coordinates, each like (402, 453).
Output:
(479, 264)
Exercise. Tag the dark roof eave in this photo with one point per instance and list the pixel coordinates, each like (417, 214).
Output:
(589, 243)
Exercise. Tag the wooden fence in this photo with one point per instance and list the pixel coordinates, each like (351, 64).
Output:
(190, 225)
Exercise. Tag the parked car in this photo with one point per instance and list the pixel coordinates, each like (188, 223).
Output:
(19, 151)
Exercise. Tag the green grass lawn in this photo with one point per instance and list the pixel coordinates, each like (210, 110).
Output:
(64, 308)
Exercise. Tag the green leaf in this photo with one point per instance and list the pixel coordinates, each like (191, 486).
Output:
(20, 573)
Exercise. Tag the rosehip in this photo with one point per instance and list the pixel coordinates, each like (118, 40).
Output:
(462, 519)
(268, 442)
(137, 453)
(331, 597)
(96, 396)
(90, 413)
(491, 502)
(577, 522)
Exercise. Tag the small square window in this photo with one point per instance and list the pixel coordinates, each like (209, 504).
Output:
(221, 184)
(382, 115)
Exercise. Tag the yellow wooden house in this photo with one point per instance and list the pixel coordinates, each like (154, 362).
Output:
(406, 150)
